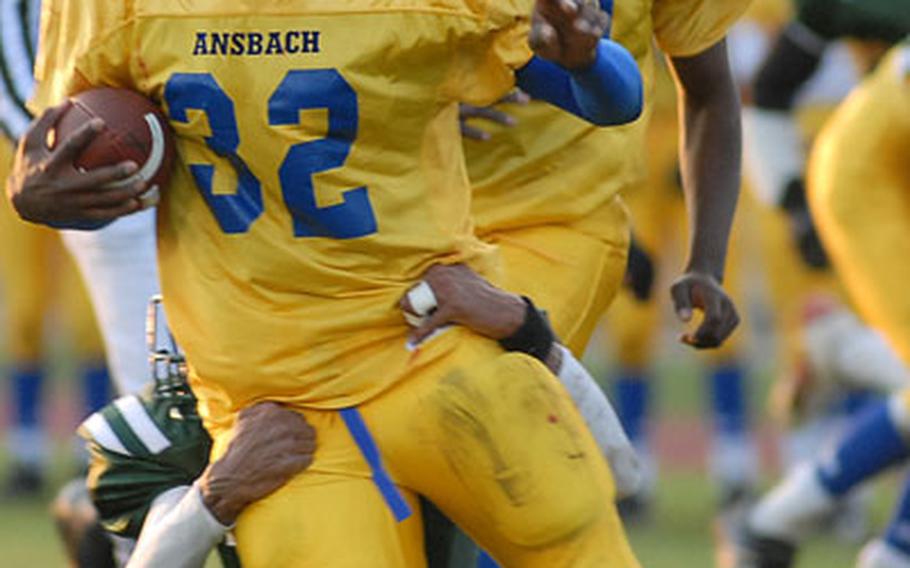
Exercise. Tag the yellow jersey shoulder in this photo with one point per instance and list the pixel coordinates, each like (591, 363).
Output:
(687, 27)
(487, 12)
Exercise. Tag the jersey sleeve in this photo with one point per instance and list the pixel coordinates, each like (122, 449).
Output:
(687, 27)
(81, 45)
(492, 51)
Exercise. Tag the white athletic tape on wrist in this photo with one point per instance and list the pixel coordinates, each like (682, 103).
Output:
(602, 421)
(179, 531)
(422, 299)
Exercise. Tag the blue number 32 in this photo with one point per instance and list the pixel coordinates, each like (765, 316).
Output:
(300, 90)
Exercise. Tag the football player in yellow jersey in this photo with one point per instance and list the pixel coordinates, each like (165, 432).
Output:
(38, 280)
(321, 175)
(547, 189)
(858, 193)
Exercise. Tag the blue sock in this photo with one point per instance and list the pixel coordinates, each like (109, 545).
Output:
(27, 386)
(871, 444)
(485, 561)
(96, 386)
(633, 397)
(898, 532)
(728, 400)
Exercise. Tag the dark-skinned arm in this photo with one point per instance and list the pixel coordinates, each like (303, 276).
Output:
(710, 155)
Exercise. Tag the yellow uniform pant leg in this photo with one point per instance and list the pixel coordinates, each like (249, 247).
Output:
(36, 273)
(491, 438)
(494, 441)
(332, 515)
(631, 328)
(26, 283)
(571, 271)
(860, 198)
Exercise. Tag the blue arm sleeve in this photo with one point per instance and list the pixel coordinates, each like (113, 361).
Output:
(607, 93)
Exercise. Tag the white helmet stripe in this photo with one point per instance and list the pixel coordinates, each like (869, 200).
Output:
(142, 424)
(102, 433)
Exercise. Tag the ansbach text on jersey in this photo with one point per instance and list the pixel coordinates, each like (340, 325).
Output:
(256, 43)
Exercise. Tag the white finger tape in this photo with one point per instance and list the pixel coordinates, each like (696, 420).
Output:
(413, 320)
(422, 299)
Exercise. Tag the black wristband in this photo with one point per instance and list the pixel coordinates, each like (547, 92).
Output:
(535, 337)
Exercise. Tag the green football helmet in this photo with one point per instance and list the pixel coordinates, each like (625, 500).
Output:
(143, 445)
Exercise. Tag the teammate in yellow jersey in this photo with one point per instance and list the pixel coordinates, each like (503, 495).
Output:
(547, 189)
(40, 286)
(861, 151)
(858, 187)
(321, 173)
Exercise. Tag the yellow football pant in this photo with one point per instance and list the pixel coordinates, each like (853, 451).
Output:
(491, 438)
(572, 271)
(860, 198)
(36, 273)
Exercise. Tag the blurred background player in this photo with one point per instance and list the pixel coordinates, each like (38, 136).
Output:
(802, 76)
(118, 263)
(792, 99)
(658, 225)
(858, 187)
(41, 293)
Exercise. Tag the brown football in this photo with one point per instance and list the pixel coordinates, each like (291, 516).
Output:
(134, 129)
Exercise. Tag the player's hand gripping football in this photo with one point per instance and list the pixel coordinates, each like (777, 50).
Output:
(46, 187)
(271, 445)
(567, 31)
(700, 291)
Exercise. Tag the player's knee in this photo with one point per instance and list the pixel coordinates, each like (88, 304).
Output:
(512, 435)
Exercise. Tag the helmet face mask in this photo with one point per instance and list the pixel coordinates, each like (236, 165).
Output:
(168, 365)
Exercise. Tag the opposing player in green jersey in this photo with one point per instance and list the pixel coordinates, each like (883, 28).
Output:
(150, 478)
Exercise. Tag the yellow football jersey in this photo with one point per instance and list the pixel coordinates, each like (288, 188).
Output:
(859, 192)
(555, 168)
(320, 173)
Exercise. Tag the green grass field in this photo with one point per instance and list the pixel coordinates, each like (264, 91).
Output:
(679, 534)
